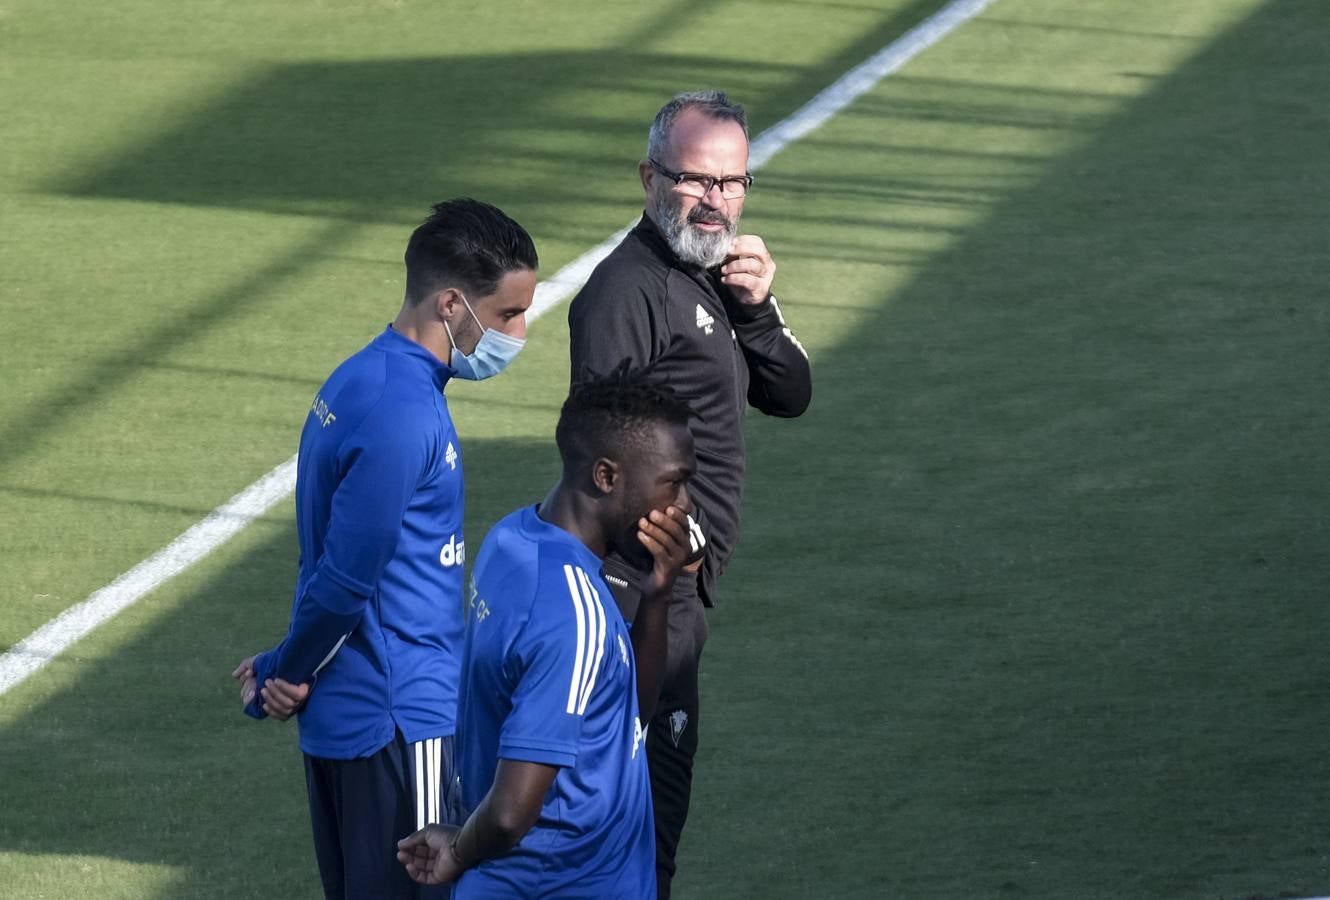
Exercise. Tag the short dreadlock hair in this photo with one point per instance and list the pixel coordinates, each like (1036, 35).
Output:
(605, 416)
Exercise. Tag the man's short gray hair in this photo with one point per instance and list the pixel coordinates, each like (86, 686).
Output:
(713, 104)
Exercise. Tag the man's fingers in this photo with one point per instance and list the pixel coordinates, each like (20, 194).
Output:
(272, 703)
(284, 696)
(650, 543)
(419, 869)
(749, 264)
(276, 706)
(664, 533)
(293, 693)
(273, 706)
(673, 519)
(749, 269)
(743, 281)
(664, 528)
(427, 838)
(659, 543)
(748, 245)
(416, 841)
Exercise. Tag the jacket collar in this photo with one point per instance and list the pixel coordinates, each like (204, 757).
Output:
(391, 341)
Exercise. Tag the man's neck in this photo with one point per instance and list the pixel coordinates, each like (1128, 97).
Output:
(572, 510)
(412, 323)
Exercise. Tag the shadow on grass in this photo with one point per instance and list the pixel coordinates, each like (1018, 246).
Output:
(1050, 619)
(150, 760)
(552, 138)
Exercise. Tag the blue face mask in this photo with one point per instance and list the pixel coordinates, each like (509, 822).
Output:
(494, 351)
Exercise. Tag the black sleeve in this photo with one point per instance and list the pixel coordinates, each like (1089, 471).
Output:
(780, 382)
(613, 319)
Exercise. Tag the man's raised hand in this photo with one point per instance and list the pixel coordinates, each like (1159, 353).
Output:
(665, 534)
(748, 270)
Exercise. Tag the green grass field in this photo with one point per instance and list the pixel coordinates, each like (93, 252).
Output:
(1031, 603)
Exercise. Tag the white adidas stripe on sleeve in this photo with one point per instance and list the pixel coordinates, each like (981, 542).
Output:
(591, 631)
(696, 539)
(785, 329)
(576, 681)
(592, 597)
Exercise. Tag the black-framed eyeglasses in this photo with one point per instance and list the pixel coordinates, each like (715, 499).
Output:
(695, 184)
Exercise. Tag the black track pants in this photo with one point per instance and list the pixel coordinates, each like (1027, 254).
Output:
(672, 737)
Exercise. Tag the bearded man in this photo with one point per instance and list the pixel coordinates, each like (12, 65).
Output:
(687, 300)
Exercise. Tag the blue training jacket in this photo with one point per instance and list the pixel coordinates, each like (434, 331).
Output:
(376, 623)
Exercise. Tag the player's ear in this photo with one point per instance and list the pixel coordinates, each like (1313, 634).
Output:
(645, 172)
(605, 475)
(448, 304)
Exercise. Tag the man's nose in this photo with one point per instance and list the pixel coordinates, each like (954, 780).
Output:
(713, 197)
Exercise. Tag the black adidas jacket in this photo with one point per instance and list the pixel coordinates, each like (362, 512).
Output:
(643, 305)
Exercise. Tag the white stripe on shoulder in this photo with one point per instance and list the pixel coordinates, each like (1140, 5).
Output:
(593, 600)
(580, 614)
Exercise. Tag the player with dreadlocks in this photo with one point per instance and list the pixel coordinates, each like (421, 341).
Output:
(555, 686)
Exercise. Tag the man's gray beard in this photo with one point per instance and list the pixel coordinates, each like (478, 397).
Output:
(693, 246)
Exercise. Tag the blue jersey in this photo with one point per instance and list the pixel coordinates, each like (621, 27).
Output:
(376, 623)
(549, 677)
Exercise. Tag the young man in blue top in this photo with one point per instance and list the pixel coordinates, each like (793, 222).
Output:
(371, 660)
(555, 687)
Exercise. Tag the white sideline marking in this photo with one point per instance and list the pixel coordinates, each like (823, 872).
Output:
(553, 291)
(40, 647)
(861, 79)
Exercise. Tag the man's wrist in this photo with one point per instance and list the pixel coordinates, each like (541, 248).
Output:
(462, 865)
(749, 312)
(661, 594)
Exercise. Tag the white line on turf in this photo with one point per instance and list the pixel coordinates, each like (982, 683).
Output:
(40, 647)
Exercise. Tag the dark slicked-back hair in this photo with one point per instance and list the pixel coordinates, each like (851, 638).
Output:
(603, 417)
(713, 104)
(468, 244)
